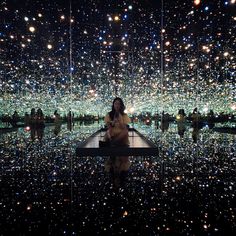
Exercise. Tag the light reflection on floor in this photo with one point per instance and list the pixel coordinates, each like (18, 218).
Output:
(188, 189)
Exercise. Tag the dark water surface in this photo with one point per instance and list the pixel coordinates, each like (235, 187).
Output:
(188, 189)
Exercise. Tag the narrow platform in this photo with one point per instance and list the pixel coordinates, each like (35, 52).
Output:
(139, 146)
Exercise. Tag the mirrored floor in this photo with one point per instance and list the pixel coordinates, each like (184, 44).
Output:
(188, 189)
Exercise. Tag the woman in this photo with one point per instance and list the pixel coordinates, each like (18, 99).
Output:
(117, 123)
(117, 135)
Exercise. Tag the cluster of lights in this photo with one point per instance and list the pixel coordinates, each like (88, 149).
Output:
(174, 192)
(127, 55)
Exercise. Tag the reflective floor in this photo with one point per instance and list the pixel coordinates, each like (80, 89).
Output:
(188, 189)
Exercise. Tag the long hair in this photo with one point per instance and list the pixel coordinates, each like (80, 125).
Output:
(122, 108)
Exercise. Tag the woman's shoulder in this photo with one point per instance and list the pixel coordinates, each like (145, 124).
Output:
(126, 118)
(125, 115)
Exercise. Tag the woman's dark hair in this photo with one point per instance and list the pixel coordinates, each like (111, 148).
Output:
(122, 108)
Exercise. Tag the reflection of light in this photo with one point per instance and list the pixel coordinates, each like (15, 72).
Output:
(27, 128)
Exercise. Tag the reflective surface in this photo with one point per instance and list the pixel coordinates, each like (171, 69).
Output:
(188, 189)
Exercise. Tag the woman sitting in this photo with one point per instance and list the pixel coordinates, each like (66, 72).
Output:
(117, 123)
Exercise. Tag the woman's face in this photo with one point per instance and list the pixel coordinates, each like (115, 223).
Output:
(117, 105)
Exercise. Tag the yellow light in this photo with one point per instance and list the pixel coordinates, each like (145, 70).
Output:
(49, 46)
(191, 65)
(116, 18)
(32, 29)
(197, 2)
(178, 178)
(178, 117)
(125, 213)
(233, 107)
(226, 54)
(167, 43)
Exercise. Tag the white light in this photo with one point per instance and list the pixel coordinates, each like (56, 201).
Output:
(49, 46)
(226, 54)
(205, 109)
(233, 107)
